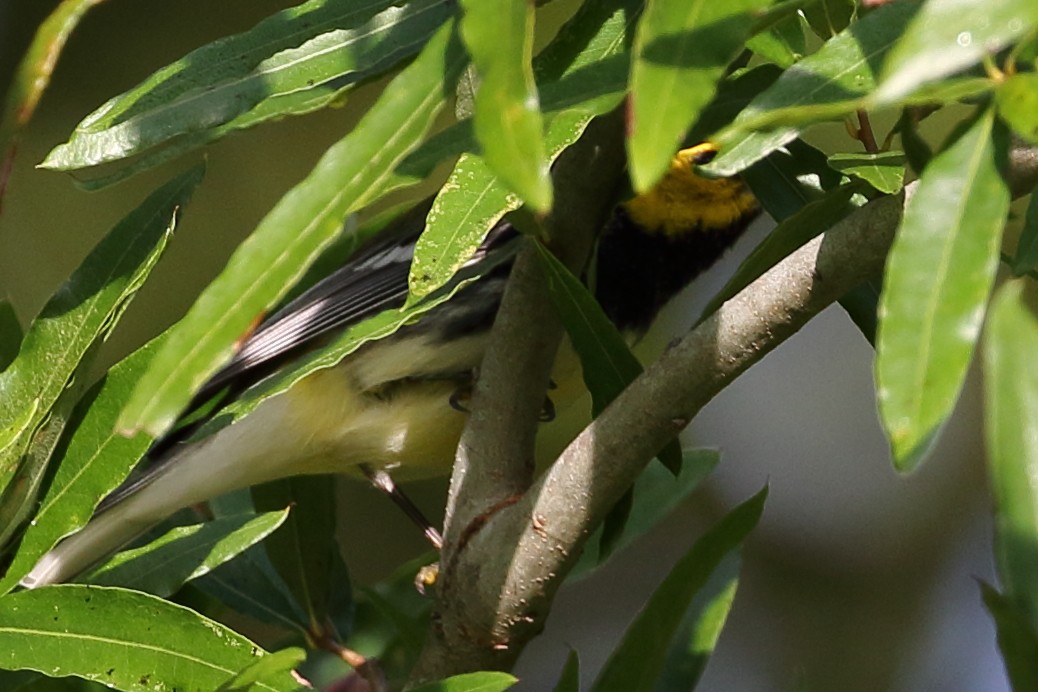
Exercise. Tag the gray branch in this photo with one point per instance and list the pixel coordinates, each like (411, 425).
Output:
(497, 586)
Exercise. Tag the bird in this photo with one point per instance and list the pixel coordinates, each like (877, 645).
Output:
(392, 406)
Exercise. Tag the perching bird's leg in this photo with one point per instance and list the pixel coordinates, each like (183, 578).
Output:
(381, 480)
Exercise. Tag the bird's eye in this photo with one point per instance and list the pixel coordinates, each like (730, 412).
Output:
(703, 154)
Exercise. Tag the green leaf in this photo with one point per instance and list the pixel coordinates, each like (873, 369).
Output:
(250, 585)
(471, 682)
(293, 62)
(938, 277)
(638, 661)
(569, 679)
(1026, 258)
(813, 219)
(507, 120)
(95, 462)
(1010, 384)
(790, 177)
(32, 77)
(304, 551)
(606, 360)
(349, 176)
(828, 17)
(121, 638)
(948, 36)
(657, 493)
(681, 51)
(10, 334)
(828, 84)
(185, 553)
(267, 669)
(697, 636)
(861, 304)
(473, 200)
(733, 94)
(1017, 640)
(783, 43)
(40, 387)
(1017, 102)
(884, 171)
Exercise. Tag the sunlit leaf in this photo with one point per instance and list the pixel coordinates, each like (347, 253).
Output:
(938, 277)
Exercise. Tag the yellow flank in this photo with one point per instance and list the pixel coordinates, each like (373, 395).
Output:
(683, 201)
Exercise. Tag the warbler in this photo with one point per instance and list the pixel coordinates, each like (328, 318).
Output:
(392, 405)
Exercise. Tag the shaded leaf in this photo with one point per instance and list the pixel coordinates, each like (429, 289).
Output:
(681, 51)
(657, 493)
(471, 682)
(1017, 640)
(697, 636)
(827, 84)
(121, 638)
(783, 43)
(95, 462)
(938, 277)
(1017, 102)
(10, 333)
(351, 174)
(304, 550)
(569, 679)
(39, 389)
(793, 233)
(250, 585)
(185, 553)
(790, 177)
(32, 77)
(473, 200)
(828, 17)
(1010, 384)
(638, 661)
(884, 171)
(1026, 257)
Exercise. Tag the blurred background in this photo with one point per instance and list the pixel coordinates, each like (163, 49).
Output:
(857, 578)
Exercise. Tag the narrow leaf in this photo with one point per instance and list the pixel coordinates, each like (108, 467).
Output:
(790, 235)
(1026, 258)
(884, 171)
(121, 638)
(267, 669)
(471, 682)
(10, 334)
(507, 120)
(681, 51)
(938, 277)
(697, 637)
(1017, 102)
(473, 200)
(638, 661)
(657, 493)
(569, 679)
(350, 175)
(32, 77)
(947, 36)
(827, 84)
(1011, 402)
(95, 462)
(304, 550)
(185, 553)
(1017, 639)
(293, 62)
(250, 585)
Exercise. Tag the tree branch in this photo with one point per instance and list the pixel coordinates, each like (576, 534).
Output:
(494, 600)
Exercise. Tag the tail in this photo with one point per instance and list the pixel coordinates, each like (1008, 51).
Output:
(236, 457)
